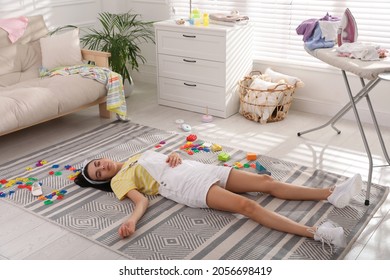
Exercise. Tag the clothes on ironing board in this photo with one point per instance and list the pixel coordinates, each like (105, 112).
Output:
(362, 51)
(316, 41)
(306, 28)
(15, 27)
(329, 29)
(319, 33)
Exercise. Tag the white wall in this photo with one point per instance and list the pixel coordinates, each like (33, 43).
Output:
(56, 12)
(324, 92)
(150, 10)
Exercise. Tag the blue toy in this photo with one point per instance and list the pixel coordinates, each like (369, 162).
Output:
(261, 169)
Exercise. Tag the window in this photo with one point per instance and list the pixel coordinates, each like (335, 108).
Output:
(275, 22)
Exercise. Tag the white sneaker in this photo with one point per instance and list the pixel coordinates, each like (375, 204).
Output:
(342, 194)
(330, 234)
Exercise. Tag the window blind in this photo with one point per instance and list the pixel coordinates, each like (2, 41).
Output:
(275, 22)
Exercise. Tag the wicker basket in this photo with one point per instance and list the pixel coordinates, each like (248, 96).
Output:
(264, 106)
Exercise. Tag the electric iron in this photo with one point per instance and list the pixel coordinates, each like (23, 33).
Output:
(347, 31)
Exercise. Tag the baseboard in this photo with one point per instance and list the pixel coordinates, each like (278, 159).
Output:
(147, 74)
(330, 109)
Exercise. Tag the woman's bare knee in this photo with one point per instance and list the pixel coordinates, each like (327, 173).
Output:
(247, 206)
(267, 183)
(267, 179)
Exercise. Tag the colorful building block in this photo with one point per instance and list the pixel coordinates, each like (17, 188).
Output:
(261, 169)
(207, 145)
(251, 156)
(223, 156)
(191, 137)
(216, 148)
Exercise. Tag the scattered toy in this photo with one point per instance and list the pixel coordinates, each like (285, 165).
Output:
(36, 189)
(223, 156)
(251, 156)
(191, 137)
(261, 169)
(207, 118)
(186, 127)
(216, 148)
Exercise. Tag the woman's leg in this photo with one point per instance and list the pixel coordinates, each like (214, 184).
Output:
(224, 200)
(242, 181)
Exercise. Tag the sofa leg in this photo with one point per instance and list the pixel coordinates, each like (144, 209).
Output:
(103, 112)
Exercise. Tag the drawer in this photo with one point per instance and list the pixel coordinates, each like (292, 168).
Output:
(191, 44)
(192, 69)
(193, 94)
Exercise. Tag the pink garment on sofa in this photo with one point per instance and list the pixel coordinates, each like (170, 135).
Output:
(14, 26)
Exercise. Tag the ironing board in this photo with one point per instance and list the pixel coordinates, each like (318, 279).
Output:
(374, 72)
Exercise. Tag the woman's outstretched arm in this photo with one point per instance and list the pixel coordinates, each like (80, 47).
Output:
(141, 204)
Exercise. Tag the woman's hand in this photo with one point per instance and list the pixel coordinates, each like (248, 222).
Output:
(174, 159)
(141, 204)
(127, 229)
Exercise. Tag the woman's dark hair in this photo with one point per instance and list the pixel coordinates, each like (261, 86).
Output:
(85, 183)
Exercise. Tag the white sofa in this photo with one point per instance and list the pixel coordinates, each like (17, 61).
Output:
(27, 99)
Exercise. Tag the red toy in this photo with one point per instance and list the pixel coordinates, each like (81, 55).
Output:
(191, 137)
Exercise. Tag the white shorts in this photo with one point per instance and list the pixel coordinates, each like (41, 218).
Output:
(189, 182)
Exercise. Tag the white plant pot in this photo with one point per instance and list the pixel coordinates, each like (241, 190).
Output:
(128, 88)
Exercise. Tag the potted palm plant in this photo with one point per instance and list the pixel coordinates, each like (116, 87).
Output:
(121, 35)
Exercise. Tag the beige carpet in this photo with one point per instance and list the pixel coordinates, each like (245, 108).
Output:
(169, 230)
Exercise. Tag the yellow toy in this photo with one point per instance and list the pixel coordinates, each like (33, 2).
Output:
(216, 148)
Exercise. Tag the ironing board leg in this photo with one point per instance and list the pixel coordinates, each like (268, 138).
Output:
(343, 110)
(352, 104)
(378, 131)
(363, 135)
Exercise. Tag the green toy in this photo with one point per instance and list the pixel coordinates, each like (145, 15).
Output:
(223, 156)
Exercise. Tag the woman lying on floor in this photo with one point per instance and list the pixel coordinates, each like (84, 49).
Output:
(201, 185)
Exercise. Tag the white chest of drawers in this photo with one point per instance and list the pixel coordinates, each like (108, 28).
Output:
(199, 67)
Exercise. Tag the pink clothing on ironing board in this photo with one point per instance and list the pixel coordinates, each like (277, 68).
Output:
(14, 26)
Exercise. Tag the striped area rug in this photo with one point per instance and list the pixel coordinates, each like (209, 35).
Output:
(169, 230)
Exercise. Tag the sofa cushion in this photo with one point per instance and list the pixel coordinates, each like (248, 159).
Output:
(61, 50)
(22, 106)
(19, 62)
(71, 91)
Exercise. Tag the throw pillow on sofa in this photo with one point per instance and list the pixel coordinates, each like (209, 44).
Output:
(61, 50)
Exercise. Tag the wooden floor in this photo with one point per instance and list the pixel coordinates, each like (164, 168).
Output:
(26, 236)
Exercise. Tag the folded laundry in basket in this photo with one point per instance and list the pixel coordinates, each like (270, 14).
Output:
(261, 84)
(277, 77)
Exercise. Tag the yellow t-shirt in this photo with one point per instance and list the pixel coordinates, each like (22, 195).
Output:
(134, 177)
